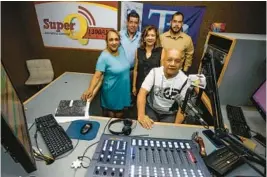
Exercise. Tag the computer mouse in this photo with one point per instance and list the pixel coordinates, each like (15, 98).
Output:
(86, 128)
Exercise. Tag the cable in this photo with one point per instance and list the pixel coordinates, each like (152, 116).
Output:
(205, 125)
(35, 137)
(107, 124)
(31, 126)
(81, 157)
(75, 172)
(49, 160)
(38, 158)
(87, 147)
(36, 142)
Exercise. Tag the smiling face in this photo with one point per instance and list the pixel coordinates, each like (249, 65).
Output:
(172, 62)
(113, 41)
(176, 24)
(150, 38)
(132, 25)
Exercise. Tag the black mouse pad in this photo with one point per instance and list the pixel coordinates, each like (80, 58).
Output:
(74, 129)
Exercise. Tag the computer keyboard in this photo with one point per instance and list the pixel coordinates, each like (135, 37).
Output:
(237, 121)
(54, 135)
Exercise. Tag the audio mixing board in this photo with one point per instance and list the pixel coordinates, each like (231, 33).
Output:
(133, 156)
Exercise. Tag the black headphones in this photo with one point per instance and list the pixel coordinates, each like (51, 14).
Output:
(127, 128)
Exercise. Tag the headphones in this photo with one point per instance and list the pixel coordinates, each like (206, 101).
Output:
(127, 128)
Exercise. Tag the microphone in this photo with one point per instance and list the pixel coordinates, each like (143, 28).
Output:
(190, 110)
(195, 80)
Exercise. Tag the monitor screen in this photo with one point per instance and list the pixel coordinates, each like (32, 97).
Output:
(259, 99)
(15, 135)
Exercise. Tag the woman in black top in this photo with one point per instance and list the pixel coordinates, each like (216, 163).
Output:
(147, 56)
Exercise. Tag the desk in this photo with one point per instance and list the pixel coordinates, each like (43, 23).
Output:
(71, 86)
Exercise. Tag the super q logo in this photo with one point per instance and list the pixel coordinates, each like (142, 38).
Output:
(82, 32)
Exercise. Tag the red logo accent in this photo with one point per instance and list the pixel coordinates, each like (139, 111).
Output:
(87, 15)
(92, 32)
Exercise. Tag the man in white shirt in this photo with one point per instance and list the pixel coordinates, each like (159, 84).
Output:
(164, 86)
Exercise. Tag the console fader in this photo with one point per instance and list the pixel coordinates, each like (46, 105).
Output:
(130, 156)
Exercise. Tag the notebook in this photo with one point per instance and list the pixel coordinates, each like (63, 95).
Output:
(70, 110)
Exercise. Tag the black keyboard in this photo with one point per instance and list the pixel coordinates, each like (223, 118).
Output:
(55, 137)
(237, 121)
(222, 161)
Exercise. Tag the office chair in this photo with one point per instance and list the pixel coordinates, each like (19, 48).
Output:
(41, 72)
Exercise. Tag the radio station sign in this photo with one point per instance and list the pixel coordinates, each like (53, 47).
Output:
(78, 25)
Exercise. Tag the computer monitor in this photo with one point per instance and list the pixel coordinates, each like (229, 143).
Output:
(14, 130)
(259, 99)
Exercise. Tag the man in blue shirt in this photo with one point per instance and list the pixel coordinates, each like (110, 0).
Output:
(130, 38)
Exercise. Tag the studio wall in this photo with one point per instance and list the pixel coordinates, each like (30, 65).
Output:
(14, 46)
(22, 39)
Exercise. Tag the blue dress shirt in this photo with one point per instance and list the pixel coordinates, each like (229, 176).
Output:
(130, 45)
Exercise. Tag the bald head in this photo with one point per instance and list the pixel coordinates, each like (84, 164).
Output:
(172, 62)
(173, 53)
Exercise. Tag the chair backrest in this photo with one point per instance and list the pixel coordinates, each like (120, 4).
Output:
(39, 67)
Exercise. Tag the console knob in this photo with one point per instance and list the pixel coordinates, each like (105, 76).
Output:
(101, 157)
(97, 170)
(105, 172)
(121, 172)
(108, 158)
(110, 150)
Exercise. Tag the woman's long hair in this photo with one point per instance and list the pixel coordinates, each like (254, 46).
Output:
(144, 34)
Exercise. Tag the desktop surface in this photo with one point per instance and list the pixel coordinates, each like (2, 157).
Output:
(71, 86)
(62, 167)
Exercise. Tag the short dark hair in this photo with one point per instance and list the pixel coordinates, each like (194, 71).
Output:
(134, 14)
(178, 13)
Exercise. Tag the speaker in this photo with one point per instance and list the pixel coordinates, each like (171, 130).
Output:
(126, 130)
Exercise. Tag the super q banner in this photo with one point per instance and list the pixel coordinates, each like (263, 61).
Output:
(78, 25)
(160, 16)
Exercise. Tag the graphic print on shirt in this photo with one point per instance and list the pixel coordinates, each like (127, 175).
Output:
(167, 93)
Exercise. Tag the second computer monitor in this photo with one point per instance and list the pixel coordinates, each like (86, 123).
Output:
(259, 99)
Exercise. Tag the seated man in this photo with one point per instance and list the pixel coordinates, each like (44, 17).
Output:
(164, 86)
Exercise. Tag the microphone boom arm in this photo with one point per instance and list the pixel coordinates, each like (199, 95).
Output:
(220, 131)
(212, 91)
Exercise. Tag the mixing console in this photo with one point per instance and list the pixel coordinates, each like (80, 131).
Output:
(129, 156)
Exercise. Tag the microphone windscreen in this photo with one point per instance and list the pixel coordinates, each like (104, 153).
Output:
(197, 80)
